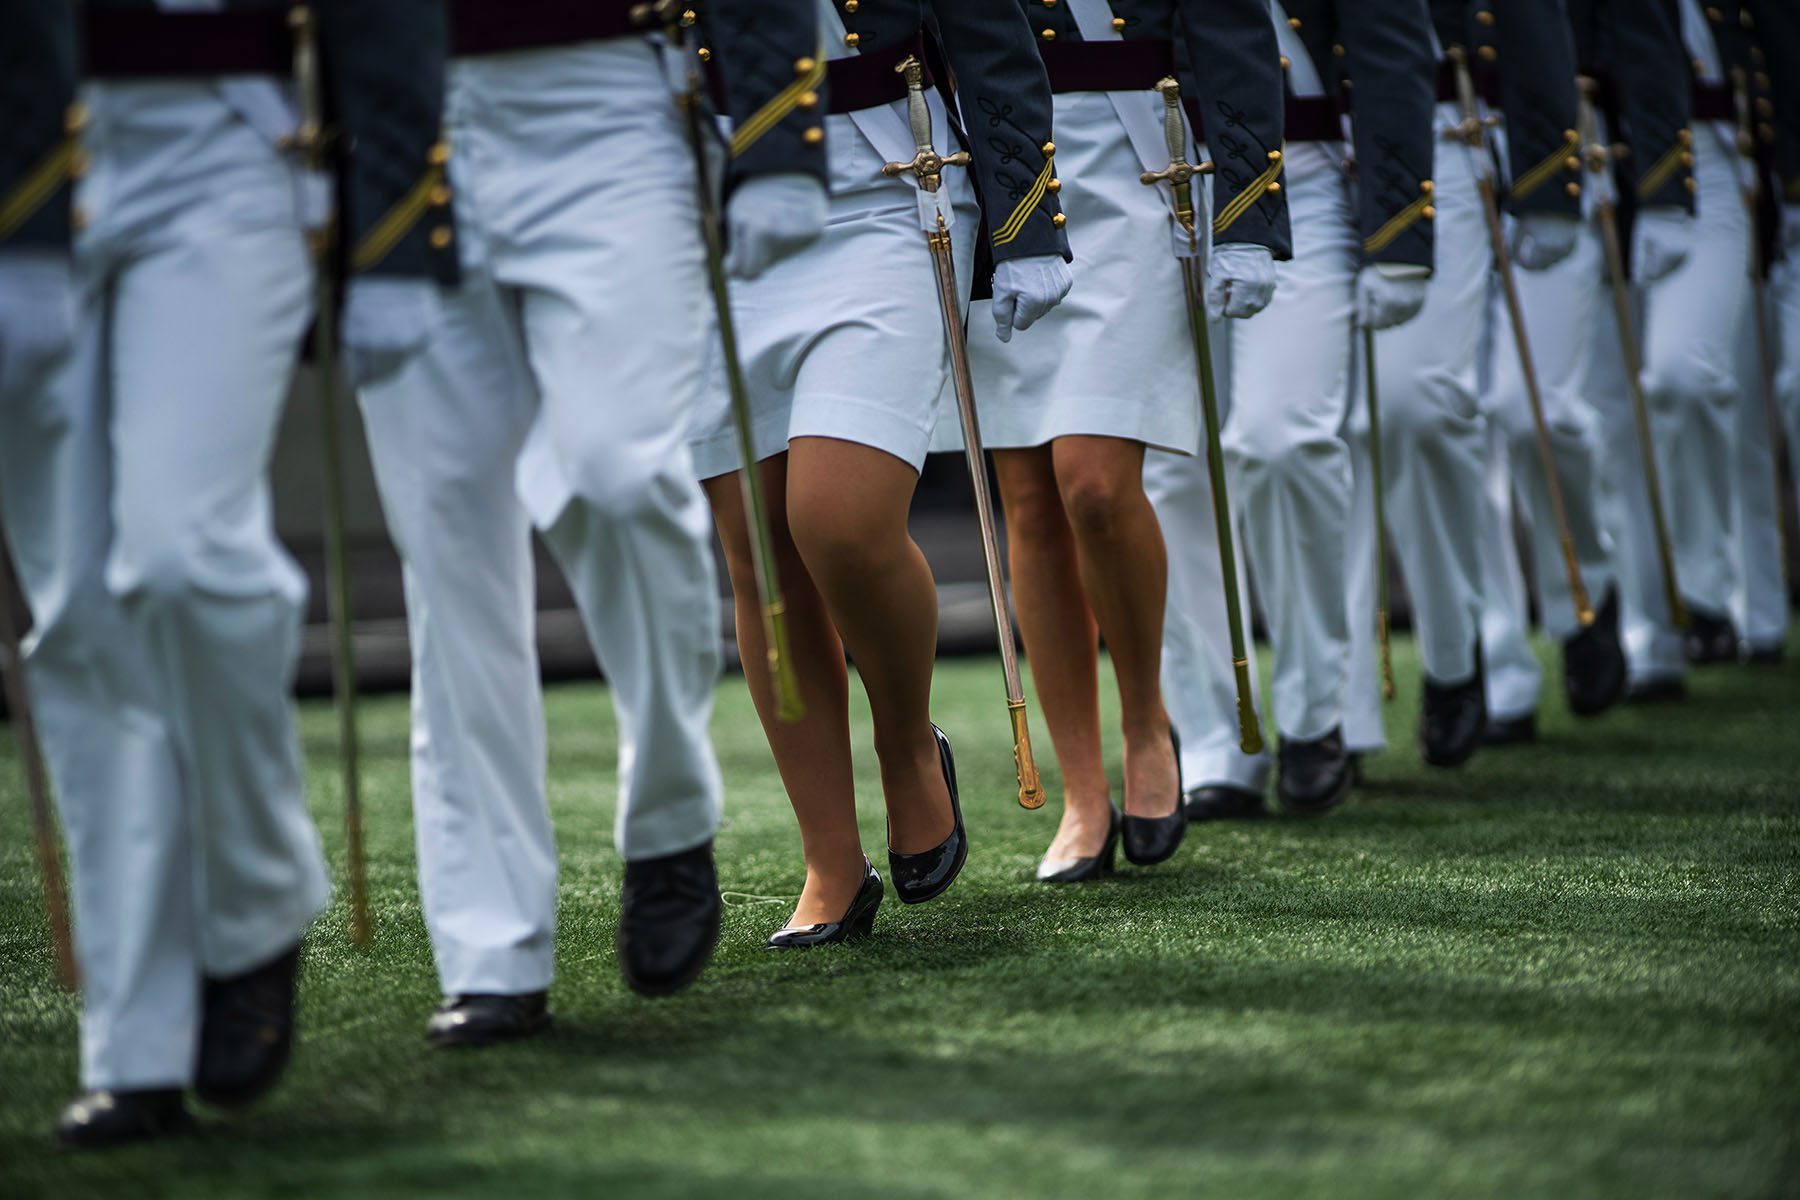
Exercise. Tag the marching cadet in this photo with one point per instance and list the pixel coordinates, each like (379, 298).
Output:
(1434, 435)
(1070, 409)
(556, 391)
(1362, 256)
(844, 356)
(1635, 47)
(166, 613)
(1706, 394)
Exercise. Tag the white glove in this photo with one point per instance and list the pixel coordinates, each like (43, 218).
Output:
(387, 320)
(1240, 280)
(1540, 240)
(1390, 294)
(1659, 242)
(771, 217)
(1027, 288)
(37, 317)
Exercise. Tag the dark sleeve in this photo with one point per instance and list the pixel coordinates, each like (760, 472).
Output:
(383, 63)
(1539, 100)
(1004, 96)
(1775, 77)
(767, 55)
(1235, 76)
(38, 122)
(1650, 68)
(1387, 45)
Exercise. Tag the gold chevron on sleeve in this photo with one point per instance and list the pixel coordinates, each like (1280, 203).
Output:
(1665, 168)
(1259, 187)
(779, 106)
(1015, 224)
(1398, 224)
(398, 222)
(35, 190)
(1541, 174)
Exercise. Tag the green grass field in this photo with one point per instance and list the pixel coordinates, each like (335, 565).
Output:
(1571, 969)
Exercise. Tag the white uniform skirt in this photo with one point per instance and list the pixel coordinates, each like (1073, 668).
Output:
(1115, 358)
(844, 340)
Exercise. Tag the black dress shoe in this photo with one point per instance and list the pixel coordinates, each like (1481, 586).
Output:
(1711, 638)
(856, 922)
(1086, 870)
(1594, 672)
(482, 1018)
(668, 920)
(1659, 689)
(1511, 731)
(1453, 719)
(1221, 802)
(1315, 775)
(247, 1031)
(1151, 840)
(928, 874)
(1770, 655)
(106, 1118)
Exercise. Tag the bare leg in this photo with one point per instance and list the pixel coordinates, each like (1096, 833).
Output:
(812, 754)
(847, 507)
(1125, 569)
(1061, 640)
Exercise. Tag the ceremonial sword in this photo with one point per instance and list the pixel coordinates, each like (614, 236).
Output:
(314, 143)
(779, 654)
(1472, 132)
(927, 167)
(1383, 637)
(1179, 174)
(1598, 158)
(31, 757)
(1765, 352)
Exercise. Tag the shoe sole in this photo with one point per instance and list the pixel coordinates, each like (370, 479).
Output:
(462, 1041)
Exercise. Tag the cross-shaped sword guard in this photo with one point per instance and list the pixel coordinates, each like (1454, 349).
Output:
(927, 165)
(1180, 172)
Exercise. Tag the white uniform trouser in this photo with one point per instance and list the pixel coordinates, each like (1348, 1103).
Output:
(166, 615)
(1515, 680)
(1291, 390)
(557, 392)
(1693, 320)
(1563, 309)
(1759, 602)
(1434, 440)
(1784, 302)
(1198, 686)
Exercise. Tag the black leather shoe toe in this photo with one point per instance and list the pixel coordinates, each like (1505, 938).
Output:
(858, 920)
(1453, 719)
(1711, 638)
(106, 1118)
(1661, 689)
(1511, 731)
(247, 1031)
(929, 874)
(1316, 775)
(1594, 673)
(668, 920)
(1220, 802)
(481, 1019)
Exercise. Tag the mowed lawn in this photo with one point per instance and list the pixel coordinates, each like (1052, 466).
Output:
(1568, 970)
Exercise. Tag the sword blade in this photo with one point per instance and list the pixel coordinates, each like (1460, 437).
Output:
(943, 262)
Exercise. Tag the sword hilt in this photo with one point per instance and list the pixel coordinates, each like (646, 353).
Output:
(927, 165)
(1180, 172)
(1473, 127)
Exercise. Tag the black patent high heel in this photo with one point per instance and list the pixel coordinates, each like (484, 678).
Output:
(1150, 840)
(858, 920)
(1086, 870)
(926, 875)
